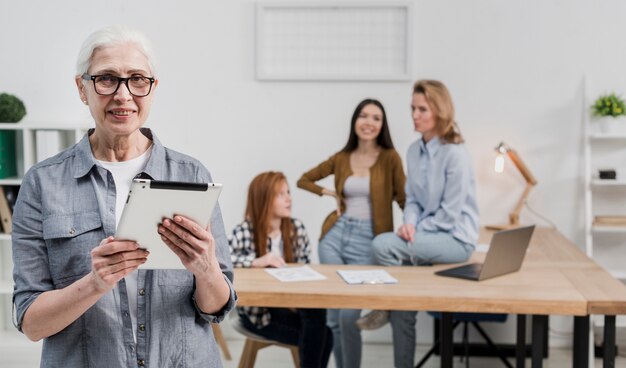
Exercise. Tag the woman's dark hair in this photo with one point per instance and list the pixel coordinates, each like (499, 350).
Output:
(384, 137)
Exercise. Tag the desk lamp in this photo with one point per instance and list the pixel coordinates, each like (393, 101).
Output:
(503, 150)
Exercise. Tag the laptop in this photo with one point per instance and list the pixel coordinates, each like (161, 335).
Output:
(505, 255)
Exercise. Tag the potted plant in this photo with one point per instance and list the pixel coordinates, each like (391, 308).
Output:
(12, 110)
(608, 109)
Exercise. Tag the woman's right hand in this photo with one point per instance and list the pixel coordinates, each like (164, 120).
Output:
(113, 259)
(332, 193)
(406, 232)
(110, 262)
(269, 260)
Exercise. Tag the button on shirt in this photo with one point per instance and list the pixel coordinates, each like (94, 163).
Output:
(441, 190)
(62, 212)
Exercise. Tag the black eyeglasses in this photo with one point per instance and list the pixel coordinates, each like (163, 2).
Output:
(106, 84)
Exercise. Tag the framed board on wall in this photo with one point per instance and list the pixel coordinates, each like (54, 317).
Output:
(333, 41)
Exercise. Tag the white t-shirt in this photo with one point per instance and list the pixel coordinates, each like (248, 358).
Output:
(276, 245)
(123, 174)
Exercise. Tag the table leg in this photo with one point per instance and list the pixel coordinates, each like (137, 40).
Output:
(580, 347)
(520, 346)
(608, 360)
(446, 340)
(538, 345)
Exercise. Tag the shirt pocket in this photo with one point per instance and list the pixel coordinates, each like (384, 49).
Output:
(70, 239)
(179, 278)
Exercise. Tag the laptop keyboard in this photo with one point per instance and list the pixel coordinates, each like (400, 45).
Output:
(469, 270)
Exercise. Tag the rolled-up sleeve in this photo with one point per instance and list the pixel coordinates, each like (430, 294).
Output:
(308, 179)
(221, 314)
(31, 273)
(222, 251)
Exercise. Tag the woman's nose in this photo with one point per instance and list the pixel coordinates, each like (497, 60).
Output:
(123, 93)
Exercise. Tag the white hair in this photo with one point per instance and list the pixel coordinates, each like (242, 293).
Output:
(113, 35)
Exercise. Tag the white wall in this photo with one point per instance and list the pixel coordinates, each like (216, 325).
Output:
(514, 69)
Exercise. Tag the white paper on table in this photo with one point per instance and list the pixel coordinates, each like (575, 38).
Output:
(367, 277)
(290, 274)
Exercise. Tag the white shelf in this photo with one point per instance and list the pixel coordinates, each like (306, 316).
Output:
(601, 136)
(10, 181)
(608, 229)
(36, 126)
(608, 183)
(6, 287)
(26, 156)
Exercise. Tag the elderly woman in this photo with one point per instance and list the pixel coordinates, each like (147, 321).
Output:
(79, 288)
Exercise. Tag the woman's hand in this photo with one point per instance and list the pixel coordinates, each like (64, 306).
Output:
(406, 232)
(193, 244)
(269, 260)
(113, 259)
(54, 310)
(332, 193)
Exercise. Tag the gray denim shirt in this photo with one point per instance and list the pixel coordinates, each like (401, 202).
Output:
(65, 207)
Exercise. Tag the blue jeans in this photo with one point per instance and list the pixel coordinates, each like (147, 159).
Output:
(427, 248)
(349, 241)
(305, 328)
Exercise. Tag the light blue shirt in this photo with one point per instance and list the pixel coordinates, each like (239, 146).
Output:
(441, 190)
(65, 207)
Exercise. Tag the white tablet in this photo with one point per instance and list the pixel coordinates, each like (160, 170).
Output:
(150, 201)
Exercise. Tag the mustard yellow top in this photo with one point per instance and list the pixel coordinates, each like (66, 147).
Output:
(386, 185)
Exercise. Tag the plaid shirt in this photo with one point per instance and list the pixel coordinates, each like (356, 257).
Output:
(242, 253)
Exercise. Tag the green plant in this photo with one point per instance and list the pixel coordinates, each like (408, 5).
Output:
(609, 105)
(12, 109)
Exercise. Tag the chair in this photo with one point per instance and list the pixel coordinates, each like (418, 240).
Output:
(254, 343)
(466, 319)
(221, 341)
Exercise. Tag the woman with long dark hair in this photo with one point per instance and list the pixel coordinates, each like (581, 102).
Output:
(270, 237)
(368, 178)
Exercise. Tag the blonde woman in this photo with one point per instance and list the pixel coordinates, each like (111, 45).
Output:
(440, 215)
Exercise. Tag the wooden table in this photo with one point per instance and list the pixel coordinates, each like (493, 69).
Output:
(556, 279)
(604, 294)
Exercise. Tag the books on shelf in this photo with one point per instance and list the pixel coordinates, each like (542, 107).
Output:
(47, 143)
(8, 163)
(10, 193)
(5, 213)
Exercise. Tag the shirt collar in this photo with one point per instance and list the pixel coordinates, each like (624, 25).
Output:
(85, 160)
(431, 147)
